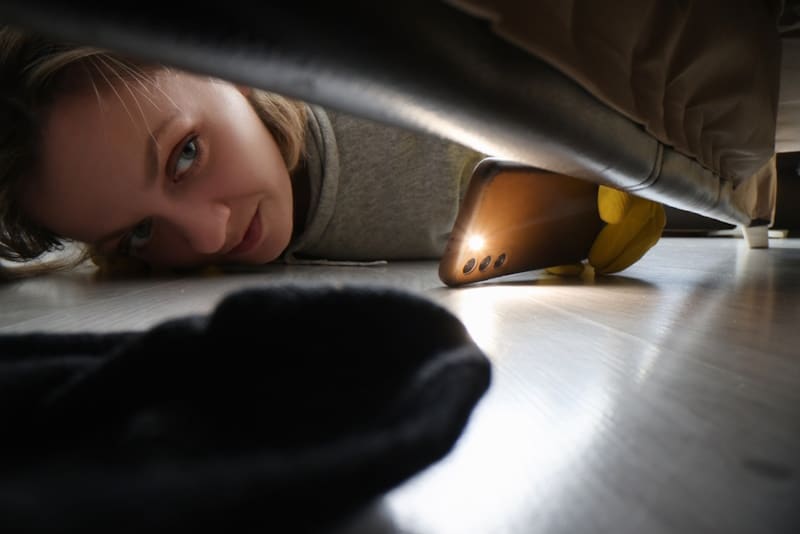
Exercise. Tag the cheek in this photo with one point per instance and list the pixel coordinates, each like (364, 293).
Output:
(248, 144)
(254, 164)
(169, 248)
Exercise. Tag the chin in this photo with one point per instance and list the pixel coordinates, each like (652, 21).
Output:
(268, 252)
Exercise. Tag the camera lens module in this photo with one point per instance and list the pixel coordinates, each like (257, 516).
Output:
(469, 266)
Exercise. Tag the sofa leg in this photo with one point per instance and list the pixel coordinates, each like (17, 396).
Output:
(756, 236)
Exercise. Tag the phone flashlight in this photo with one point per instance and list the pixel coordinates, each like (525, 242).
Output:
(476, 242)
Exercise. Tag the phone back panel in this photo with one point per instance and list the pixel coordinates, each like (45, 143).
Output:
(516, 218)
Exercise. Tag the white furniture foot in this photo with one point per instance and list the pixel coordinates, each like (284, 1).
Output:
(756, 236)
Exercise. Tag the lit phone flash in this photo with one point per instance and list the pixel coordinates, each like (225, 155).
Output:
(475, 242)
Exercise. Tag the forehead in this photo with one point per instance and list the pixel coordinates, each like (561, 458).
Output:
(107, 113)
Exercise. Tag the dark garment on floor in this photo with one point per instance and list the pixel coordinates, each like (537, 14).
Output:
(282, 411)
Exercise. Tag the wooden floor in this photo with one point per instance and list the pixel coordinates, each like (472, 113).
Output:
(664, 399)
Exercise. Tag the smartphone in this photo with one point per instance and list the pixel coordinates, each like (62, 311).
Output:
(516, 218)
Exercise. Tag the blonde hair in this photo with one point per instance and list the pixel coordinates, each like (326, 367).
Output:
(34, 72)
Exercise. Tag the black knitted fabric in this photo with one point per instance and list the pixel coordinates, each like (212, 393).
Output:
(283, 410)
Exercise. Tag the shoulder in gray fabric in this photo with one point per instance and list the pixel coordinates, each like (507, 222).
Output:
(379, 192)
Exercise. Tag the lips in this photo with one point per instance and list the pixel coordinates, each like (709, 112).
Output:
(251, 236)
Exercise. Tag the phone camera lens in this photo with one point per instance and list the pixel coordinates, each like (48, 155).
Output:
(501, 259)
(469, 266)
(487, 261)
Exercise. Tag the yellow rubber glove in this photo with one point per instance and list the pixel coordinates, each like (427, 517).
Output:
(633, 226)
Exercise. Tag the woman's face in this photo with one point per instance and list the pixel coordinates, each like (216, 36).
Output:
(179, 172)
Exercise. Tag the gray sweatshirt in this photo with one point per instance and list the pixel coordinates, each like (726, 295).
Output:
(378, 192)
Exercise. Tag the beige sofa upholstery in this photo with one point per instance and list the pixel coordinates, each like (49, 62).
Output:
(701, 76)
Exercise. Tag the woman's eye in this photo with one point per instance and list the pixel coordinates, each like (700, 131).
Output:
(187, 156)
(139, 236)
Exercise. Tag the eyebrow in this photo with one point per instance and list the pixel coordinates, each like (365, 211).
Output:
(151, 166)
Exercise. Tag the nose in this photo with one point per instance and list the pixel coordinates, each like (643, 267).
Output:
(204, 225)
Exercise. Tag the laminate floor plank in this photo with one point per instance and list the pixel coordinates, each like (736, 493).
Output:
(663, 399)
